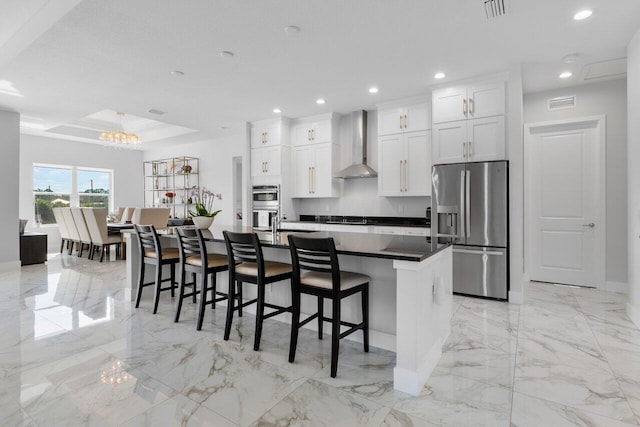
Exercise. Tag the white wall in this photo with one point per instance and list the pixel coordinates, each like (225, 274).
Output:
(216, 167)
(360, 195)
(126, 166)
(608, 98)
(9, 176)
(633, 177)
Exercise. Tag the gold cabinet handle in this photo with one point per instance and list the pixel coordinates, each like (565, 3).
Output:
(313, 135)
(469, 149)
(405, 121)
(406, 180)
(309, 180)
(401, 176)
(464, 149)
(471, 106)
(464, 106)
(313, 178)
(308, 134)
(400, 121)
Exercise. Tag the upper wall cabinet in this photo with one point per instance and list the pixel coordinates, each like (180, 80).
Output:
(315, 129)
(269, 132)
(408, 116)
(468, 102)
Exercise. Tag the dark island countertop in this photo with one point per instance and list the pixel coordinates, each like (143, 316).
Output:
(405, 248)
(367, 220)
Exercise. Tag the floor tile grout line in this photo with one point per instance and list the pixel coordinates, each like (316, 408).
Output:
(515, 362)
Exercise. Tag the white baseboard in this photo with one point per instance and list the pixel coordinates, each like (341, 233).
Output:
(619, 287)
(634, 314)
(516, 297)
(9, 266)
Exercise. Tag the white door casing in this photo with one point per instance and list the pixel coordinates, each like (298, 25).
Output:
(565, 201)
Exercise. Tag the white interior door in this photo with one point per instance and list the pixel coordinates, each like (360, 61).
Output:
(566, 202)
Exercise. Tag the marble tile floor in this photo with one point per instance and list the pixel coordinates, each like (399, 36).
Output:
(73, 351)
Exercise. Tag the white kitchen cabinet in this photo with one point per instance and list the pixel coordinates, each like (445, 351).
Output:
(313, 169)
(474, 140)
(315, 129)
(468, 102)
(266, 161)
(269, 133)
(404, 165)
(410, 117)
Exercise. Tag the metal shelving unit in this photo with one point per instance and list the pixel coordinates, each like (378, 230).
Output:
(168, 182)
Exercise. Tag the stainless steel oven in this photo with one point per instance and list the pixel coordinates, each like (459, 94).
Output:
(265, 205)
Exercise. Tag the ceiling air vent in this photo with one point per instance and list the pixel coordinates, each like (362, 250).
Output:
(562, 103)
(495, 8)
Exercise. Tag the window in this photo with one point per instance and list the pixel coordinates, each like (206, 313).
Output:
(65, 186)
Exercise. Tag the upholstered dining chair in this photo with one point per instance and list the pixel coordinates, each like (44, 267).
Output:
(101, 240)
(158, 217)
(62, 228)
(71, 227)
(83, 230)
(316, 272)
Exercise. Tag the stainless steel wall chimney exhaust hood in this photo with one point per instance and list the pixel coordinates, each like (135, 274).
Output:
(359, 168)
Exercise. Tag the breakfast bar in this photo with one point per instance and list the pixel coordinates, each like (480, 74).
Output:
(410, 291)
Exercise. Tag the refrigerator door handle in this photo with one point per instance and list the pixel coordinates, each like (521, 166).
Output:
(467, 204)
(463, 232)
(470, 252)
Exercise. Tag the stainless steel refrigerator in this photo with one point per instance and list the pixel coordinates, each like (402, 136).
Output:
(470, 208)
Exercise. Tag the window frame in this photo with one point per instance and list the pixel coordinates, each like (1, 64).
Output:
(74, 195)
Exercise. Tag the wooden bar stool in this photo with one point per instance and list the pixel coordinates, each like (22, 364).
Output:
(151, 252)
(323, 278)
(194, 258)
(246, 264)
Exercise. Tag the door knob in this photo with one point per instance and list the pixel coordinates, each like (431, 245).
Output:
(590, 225)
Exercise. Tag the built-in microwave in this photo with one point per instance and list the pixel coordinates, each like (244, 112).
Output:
(265, 205)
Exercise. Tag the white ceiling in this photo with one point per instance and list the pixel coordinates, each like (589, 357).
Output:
(69, 59)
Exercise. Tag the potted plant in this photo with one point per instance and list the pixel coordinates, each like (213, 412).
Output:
(203, 214)
(170, 195)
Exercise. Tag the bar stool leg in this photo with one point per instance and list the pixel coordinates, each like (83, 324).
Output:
(214, 285)
(158, 284)
(295, 321)
(240, 299)
(335, 337)
(320, 316)
(203, 299)
(259, 316)
(180, 295)
(140, 281)
(230, 307)
(173, 280)
(365, 317)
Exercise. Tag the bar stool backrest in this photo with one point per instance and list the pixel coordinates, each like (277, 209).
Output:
(191, 243)
(148, 241)
(243, 247)
(313, 254)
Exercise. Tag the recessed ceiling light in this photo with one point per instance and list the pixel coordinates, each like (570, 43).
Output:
(320, 101)
(226, 54)
(224, 127)
(583, 14)
(177, 73)
(565, 75)
(277, 110)
(439, 75)
(292, 29)
(373, 89)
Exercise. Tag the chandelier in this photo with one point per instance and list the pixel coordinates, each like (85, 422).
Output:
(120, 136)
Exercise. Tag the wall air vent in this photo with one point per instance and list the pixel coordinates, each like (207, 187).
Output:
(562, 103)
(495, 8)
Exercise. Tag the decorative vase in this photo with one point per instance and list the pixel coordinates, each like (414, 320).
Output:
(202, 222)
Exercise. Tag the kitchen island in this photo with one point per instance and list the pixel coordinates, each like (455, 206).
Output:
(410, 291)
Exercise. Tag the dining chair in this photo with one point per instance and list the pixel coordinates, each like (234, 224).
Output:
(322, 278)
(71, 227)
(158, 217)
(83, 230)
(152, 252)
(195, 258)
(247, 265)
(96, 219)
(62, 228)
